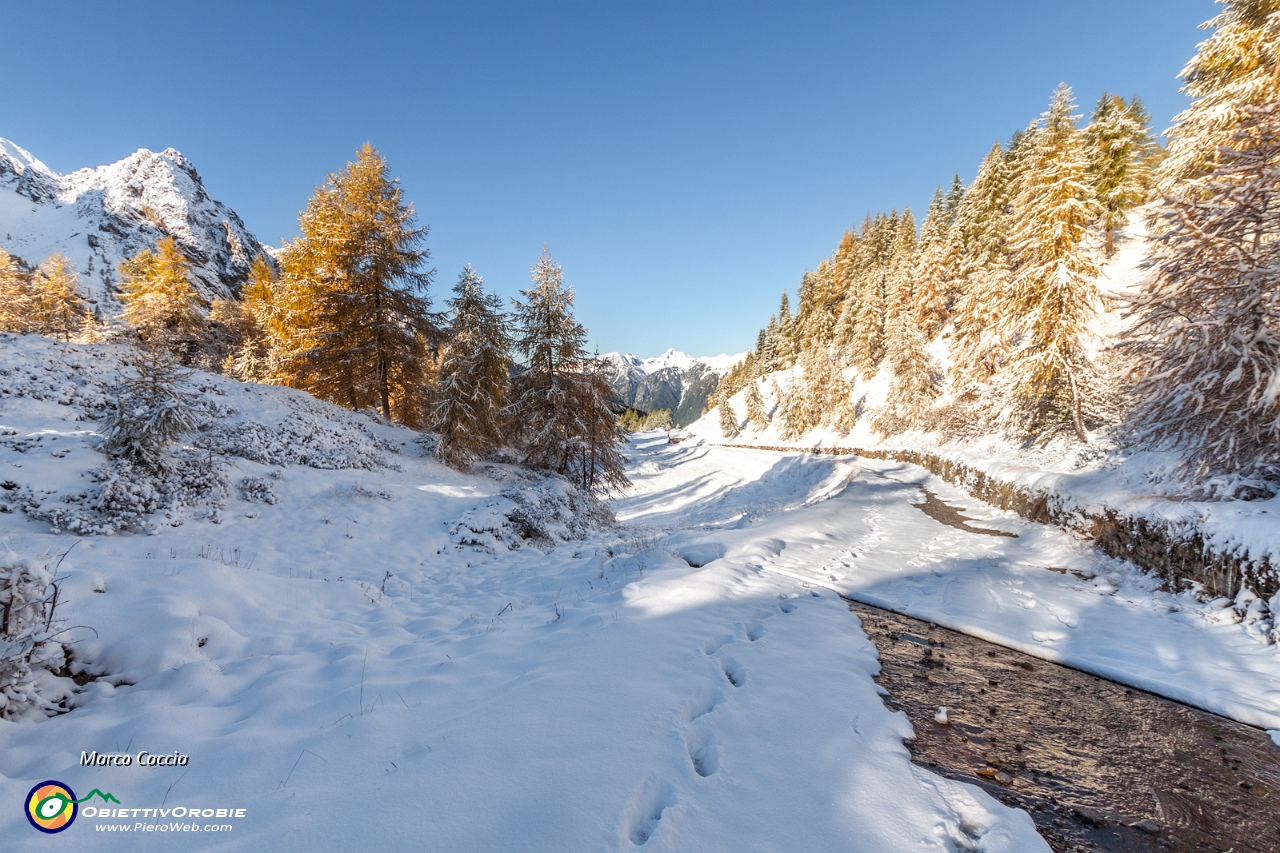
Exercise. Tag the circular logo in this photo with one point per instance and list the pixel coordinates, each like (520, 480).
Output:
(51, 806)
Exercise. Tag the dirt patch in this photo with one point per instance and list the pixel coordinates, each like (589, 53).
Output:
(950, 516)
(1099, 766)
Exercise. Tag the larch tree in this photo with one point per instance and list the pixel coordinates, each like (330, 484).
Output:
(1206, 341)
(1118, 142)
(357, 282)
(1235, 69)
(159, 301)
(756, 413)
(59, 308)
(728, 417)
(930, 275)
(559, 403)
(16, 299)
(1053, 295)
(471, 390)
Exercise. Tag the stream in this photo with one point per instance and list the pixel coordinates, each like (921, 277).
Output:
(1099, 766)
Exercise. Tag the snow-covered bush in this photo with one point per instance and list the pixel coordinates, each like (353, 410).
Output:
(125, 494)
(258, 490)
(28, 652)
(541, 513)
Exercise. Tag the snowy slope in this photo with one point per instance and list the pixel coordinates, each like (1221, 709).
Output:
(98, 216)
(338, 663)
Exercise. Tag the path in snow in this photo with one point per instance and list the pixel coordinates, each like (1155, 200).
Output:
(861, 533)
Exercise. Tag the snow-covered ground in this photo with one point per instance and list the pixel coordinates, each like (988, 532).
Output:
(338, 664)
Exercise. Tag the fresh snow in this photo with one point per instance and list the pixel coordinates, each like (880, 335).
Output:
(339, 664)
(364, 661)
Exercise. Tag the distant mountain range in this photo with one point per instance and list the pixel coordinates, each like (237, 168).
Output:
(98, 216)
(673, 380)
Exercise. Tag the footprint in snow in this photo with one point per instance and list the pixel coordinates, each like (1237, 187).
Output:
(704, 752)
(734, 672)
(755, 630)
(643, 814)
(710, 647)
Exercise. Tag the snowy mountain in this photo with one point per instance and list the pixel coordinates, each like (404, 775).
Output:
(673, 380)
(98, 216)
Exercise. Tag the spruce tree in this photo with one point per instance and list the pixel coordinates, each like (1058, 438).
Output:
(1206, 341)
(151, 411)
(559, 403)
(784, 343)
(474, 377)
(1053, 295)
(1117, 142)
(357, 288)
(908, 358)
(159, 301)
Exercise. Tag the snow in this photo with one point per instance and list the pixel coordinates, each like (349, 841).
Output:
(719, 364)
(340, 666)
(354, 640)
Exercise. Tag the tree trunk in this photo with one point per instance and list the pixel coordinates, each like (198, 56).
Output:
(1111, 241)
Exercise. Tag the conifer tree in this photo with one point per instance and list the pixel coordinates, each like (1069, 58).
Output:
(1117, 142)
(756, 413)
(16, 298)
(867, 323)
(1053, 294)
(728, 417)
(59, 307)
(1206, 341)
(474, 377)
(151, 410)
(930, 275)
(1234, 70)
(356, 284)
(785, 344)
(559, 403)
(908, 358)
(158, 299)
(794, 413)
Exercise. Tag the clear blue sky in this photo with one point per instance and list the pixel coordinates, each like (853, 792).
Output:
(685, 161)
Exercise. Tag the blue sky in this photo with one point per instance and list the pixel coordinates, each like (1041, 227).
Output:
(685, 162)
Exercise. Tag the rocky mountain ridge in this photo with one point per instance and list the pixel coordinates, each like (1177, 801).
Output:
(673, 380)
(96, 217)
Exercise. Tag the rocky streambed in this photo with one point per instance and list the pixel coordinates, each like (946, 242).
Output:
(1099, 766)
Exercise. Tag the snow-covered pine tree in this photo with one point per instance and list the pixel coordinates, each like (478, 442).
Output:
(559, 403)
(827, 392)
(899, 280)
(728, 417)
(16, 299)
(913, 386)
(1117, 143)
(357, 284)
(471, 390)
(982, 341)
(794, 414)
(785, 344)
(770, 355)
(1206, 341)
(1053, 295)
(930, 275)
(1235, 68)
(756, 413)
(151, 410)
(158, 299)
